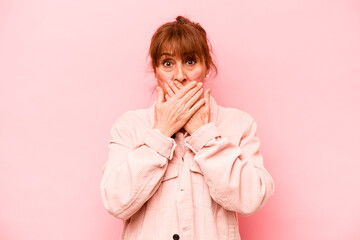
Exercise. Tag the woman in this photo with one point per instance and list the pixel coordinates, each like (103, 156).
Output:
(184, 167)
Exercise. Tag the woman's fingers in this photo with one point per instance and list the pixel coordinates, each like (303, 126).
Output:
(196, 107)
(167, 97)
(186, 89)
(188, 95)
(194, 98)
(160, 94)
(169, 90)
(178, 84)
(173, 87)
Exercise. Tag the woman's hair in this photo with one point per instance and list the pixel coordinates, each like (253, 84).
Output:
(182, 38)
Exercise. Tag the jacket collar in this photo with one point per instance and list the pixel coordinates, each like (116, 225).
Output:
(213, 111)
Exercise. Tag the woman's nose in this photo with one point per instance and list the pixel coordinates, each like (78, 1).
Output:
(179, 74)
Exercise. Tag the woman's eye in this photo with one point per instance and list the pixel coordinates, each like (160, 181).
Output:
(166, 63)
(190, 62)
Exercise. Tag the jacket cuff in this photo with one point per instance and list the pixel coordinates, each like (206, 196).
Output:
(201, 136)
(165, 146)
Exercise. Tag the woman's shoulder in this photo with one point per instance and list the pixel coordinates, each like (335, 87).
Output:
(133, 114)
(134, 117)
(130, 125)
(233, 123)
(235, 115)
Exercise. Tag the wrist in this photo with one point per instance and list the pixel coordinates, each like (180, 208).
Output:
(163, 131)
(193, 129)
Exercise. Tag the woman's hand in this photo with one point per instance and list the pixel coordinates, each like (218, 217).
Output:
(201, 116)
(173, 114)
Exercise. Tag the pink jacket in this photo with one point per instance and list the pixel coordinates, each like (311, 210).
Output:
(191, 186)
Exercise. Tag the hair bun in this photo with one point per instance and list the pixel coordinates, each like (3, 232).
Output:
(182, 20)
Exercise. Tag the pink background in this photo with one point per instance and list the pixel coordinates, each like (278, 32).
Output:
(69, 68)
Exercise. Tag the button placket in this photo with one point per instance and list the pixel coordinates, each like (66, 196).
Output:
(184, 198)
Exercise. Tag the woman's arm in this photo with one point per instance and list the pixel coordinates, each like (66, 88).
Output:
(133, 171)
(235, 174)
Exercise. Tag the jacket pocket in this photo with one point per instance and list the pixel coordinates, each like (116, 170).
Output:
(166, 193)
(172, 171)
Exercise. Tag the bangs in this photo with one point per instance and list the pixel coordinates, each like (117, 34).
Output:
(181, 38)
(180, 43)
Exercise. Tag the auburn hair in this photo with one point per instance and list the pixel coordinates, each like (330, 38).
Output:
(181, 38)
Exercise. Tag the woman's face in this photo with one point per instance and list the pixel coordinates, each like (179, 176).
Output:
(171, 68)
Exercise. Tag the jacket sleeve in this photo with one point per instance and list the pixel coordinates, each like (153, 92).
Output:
(133, 172)
(235, 174)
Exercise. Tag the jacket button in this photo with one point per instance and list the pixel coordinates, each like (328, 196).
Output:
(176, 237)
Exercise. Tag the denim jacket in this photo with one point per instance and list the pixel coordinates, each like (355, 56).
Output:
(186, 186)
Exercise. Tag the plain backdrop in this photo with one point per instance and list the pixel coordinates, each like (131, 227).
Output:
(69, 69)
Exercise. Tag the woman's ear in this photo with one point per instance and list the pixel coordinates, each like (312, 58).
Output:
(207, 73)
